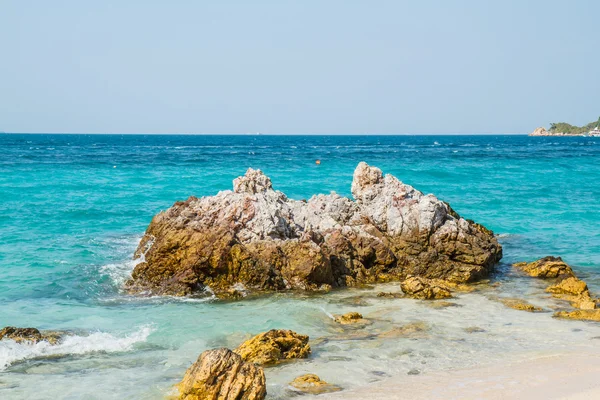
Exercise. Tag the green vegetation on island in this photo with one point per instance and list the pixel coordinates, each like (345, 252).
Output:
(568, 129)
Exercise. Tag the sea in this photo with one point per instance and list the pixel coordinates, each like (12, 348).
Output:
(74, 207)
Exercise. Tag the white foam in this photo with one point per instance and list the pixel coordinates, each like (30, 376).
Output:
(120, 272)
(11, 351)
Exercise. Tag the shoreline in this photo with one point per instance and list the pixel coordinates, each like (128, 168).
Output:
(571, 375)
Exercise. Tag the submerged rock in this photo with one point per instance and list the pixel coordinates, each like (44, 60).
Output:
(312, 384)
(474, 329)
(274, 346)
(221, 374)
(30, 335)
(351, 318)
(412, 330)
(547, 267)
(390, 295)
(256, 238)
(518, 304)
(423, 288)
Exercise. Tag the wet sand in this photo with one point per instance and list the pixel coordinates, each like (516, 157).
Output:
(572, 376)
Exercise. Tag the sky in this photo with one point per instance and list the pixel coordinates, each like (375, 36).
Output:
(298, 67)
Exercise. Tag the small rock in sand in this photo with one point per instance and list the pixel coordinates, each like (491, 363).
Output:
(312, 384)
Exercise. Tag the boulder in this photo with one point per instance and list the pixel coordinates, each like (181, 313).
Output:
(547, 267)
(30, 335)
(221, 374)
(423, 288)
(312, 384)
(257, 239)
(274, 346)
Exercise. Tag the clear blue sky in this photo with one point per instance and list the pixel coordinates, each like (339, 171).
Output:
(305, 66)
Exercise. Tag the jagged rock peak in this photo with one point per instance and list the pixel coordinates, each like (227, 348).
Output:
(257, 239)
(254, 181)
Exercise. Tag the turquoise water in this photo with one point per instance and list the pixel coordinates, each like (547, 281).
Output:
(72, 208)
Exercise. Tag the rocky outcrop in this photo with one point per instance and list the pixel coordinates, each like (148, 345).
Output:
(541, 131)
(221, 374)
(256, 239)
(425, 289)
(30, 335)
(274, 346)
(547, 267)
(312, 384)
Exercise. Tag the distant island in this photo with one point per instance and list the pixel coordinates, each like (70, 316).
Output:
(564, 129)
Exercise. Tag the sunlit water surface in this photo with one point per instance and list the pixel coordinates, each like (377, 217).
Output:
(73, 207)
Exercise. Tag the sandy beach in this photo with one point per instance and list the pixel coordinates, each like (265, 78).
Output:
(572, 376)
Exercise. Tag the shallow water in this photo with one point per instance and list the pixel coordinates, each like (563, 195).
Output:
(73, 207)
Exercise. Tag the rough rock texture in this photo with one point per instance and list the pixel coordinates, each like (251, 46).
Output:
(274, 346)
(586, 315)
(547, 267)
(570, 285)
(32, 335)
(351, 318)
(312, 384)
(423, 288)
(575, 291)
(221, 374)
(255, 239)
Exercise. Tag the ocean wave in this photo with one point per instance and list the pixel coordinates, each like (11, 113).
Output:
(119, 272)
(11, 351)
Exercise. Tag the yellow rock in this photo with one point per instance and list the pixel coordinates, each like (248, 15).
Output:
(312, 384)
(575, 291)
(587, 315)
(518, 304)
(423, 288)
(390, 295)
(221, 374)
(547, 267)
(351, 318)
(570, 285)
(273, 346)
(30, 335)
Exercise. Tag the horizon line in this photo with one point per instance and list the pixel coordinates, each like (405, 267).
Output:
(264, 134)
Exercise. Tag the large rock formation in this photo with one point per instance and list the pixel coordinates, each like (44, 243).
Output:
(255, 238)
(221, 374)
